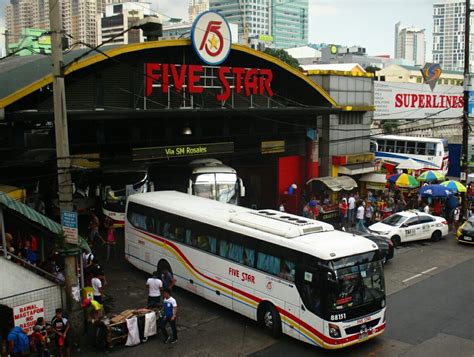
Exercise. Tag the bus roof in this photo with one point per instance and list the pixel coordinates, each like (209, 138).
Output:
(301, 234)
(408, 138)
(213, 169)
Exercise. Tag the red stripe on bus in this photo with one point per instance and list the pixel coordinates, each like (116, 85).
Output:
(326, 339)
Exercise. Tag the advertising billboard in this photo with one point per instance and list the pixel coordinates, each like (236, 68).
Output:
(394, 100)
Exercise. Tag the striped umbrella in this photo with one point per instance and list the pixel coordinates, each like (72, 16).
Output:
(430, 176)
(403, 180)
(454, 186)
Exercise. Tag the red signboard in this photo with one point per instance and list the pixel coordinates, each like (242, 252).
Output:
(244, 80)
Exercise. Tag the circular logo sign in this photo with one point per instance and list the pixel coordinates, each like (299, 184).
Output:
(211, 37)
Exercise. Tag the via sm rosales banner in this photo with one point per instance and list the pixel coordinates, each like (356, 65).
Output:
(394, 100)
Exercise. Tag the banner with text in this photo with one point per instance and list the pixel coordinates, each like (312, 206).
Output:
(394, 100)
(25, 315)
(175, 151)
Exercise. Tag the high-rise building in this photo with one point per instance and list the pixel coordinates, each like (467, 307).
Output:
(121, 16)
(78, 18)
(196, 7)
(448, 34)
(286, 21)
(410, 44)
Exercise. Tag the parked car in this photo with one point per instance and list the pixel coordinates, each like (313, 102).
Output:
(385, 245)
(412, 225)
(465, 233)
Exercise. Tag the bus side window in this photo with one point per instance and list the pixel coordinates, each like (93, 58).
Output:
(179, 233)
(287, 270)
(310, 289)
(188, 237)
(430, 149)
(168, 231)
(249, 257)
(268, 263)
(421, 148)
(231, 251)
(411, 147)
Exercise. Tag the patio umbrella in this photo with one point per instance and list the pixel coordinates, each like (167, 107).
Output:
(454, 186)
(403, 180)
(430, 176)
(435, 191)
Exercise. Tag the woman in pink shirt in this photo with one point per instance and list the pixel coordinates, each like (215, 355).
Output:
(110, 242)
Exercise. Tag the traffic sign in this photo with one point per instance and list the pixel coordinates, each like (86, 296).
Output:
(70, 227)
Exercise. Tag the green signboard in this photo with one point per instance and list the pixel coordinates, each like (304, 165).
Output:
(167, 152)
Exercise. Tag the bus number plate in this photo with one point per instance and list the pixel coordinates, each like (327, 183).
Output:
(338, 317)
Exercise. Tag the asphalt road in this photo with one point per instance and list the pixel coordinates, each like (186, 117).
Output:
(430, 288)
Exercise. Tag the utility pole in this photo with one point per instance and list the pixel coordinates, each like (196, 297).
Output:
(465, 117)
(63, 160)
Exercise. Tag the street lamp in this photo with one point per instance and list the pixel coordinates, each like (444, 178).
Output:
(152, 27)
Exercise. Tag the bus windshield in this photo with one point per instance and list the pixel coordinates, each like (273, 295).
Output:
(222, 187)
(355, 281)
(119, 185)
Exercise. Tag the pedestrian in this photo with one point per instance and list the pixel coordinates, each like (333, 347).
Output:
(343, 212)
(18, 342)
(426, 208)
(369, 213)
(456, 214)
(60, 326)
(360, 215)
(110, 242)
(94, 234)
(167, 279)
(40, 338)
(97, 287)
(437, 206)
(169, 310)
(351, 209)
(155, 285)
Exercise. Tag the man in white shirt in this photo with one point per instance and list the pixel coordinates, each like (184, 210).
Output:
(97, 286)
(360, 215)
(351, 208)
(155, 285)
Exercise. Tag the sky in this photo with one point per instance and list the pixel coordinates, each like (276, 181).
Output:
(367, 23)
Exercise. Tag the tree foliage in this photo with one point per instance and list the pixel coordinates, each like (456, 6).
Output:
(283, 56)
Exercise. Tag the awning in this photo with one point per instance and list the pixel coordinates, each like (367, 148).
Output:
(410, 164)
(28, 212)
(356, 169)
(374, 177)
(336, 184)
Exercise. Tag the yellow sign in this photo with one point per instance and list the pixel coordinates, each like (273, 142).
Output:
(86, 161)
(273, 147)
(265, 38)
(360, 158)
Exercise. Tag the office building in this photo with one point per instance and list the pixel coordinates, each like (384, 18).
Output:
(448, 34)
(196, 7)
(121, 16)
(286, 22)
(410, 44)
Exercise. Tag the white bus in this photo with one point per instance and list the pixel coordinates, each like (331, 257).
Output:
(212, 179)
(431, 152)
(291, 274)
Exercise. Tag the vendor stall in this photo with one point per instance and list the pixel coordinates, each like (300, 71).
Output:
(329, 187)
(373, 182)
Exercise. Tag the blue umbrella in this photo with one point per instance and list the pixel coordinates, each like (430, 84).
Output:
(437, 191)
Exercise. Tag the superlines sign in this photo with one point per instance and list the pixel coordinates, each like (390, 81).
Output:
(189, 77)
(415, 100)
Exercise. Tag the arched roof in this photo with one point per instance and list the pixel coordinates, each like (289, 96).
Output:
(23, 76)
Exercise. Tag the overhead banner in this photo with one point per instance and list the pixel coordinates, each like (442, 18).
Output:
(167, 152)
(394, 100)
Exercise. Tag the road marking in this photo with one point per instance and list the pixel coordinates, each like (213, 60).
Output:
(412, 277)
(429, 270)
(418, 275)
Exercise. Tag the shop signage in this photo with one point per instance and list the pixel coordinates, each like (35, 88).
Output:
(273, 147)
(360, 158)
(69, 223)
(431, 73)
(166, 152)
(211, 37)
(25, 315)
(190, 76)
(416, 101)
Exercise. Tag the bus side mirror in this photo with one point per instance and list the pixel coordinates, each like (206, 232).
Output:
(190, 187)
(242, 188)
(151, 186)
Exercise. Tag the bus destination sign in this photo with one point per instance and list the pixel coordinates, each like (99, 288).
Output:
(166, 152)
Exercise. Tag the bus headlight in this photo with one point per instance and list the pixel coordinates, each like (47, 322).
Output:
(334, 331)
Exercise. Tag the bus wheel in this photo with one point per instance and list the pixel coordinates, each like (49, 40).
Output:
(269, 318)
(396, 241)
(436, 236)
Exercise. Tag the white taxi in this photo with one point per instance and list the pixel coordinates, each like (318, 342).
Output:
(407, 226)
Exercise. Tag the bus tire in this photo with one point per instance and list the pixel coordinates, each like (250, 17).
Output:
(436, 236)
(269, 318)
(396, 241)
